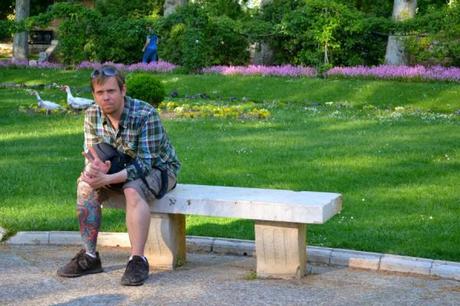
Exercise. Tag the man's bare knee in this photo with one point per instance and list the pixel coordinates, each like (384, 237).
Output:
(133, 198)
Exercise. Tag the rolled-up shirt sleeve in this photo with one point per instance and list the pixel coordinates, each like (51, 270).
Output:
(90, 133)
(90, 130)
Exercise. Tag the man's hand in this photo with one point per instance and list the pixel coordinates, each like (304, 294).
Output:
(96, 164)
(95, 173)
(97, 181)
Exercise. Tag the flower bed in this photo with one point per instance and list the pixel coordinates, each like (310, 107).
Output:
(437, 73)
(25, 64)
(160, 66)
(284, 70)
(398, 72)
(247, 110)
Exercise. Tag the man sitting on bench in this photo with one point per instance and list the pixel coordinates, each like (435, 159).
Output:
(127, 151)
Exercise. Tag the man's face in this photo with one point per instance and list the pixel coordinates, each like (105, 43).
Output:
(109, 96)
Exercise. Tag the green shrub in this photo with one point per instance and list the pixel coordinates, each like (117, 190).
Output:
(79, 24)
(435, 37)
(130, 9)
(6, 29)
(89, 34)
(321, 32)
(194, 37)
(119, 40)
(146, 87)
(227, 46)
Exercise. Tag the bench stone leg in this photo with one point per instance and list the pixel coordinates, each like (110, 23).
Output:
(165, 247)
(280, 249)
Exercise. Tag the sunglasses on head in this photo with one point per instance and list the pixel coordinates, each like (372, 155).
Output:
(105, 71)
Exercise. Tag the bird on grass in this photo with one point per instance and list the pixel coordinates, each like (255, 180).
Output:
(47, 105)
(77, 102)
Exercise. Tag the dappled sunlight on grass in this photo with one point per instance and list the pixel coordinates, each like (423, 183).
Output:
(345, 127)
(220, 227)
(172, 80)
(352, 164)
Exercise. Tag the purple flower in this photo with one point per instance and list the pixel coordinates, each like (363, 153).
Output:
(28, 64)
(160, 66)
(399, 72)
(97, 65)
(88, 65)
(49, 65)
(283, 70)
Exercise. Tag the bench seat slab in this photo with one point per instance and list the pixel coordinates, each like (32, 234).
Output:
(245, 203)
(280, 249)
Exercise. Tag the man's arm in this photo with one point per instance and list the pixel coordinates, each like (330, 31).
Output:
(149, 146)
(89, 128)
(95, 173)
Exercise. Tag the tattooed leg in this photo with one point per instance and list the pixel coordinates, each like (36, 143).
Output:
(89, 215)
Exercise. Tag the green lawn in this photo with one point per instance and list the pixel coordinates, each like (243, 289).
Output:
(398, 170)
(435, 96)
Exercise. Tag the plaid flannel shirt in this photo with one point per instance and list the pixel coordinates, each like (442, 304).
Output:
(140, 135)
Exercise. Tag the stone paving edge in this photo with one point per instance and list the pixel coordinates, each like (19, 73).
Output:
(318, 255)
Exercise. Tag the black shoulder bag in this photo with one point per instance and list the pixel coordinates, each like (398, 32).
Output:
(120, 161)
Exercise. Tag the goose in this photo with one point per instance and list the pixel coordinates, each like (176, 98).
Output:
(77, 102)
(48, 105)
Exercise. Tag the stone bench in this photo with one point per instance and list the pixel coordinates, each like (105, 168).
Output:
(280, 223)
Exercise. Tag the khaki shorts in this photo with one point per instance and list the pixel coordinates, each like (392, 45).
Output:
(153, 179)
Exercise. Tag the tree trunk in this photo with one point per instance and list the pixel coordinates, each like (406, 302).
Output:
(261, 53)
(395, 53)
(170, 6)
(20, 43)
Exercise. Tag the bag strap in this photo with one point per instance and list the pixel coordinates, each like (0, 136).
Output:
(164, 181)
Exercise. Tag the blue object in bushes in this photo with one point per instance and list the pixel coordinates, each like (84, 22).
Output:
(151, 49)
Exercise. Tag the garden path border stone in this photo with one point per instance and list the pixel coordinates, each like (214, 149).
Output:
(315, 255)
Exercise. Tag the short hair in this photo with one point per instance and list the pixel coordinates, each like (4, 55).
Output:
(100, 76)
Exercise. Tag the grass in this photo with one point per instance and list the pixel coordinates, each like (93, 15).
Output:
(397, 170)
(435, 96)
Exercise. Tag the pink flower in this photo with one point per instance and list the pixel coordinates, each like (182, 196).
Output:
(160, 66)
(283, 70)
(399, 72)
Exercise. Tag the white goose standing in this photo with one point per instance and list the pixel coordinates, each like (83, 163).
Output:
(77, 102)
(48, 105)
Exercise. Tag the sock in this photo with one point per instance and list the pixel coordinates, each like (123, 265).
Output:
(143, 257)
(91, 255)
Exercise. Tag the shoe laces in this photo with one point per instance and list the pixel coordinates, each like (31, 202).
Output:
(81, 259)
(135, 265)
(79, 254)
